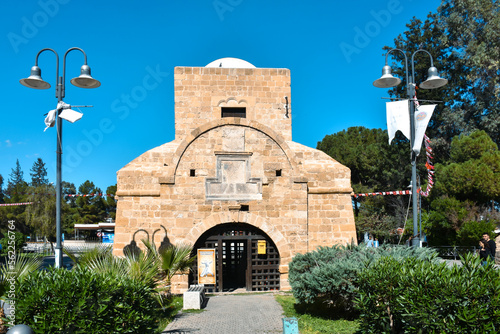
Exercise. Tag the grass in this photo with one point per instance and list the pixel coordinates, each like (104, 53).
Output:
(169, 313)
(310, 324)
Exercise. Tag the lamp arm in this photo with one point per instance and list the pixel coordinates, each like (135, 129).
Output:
(57, 69)
(413, 61)
(406, 60)
(64, 65)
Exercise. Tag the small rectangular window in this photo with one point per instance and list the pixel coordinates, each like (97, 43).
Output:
(278, 172)
(244, 207)
(192, 172)
(234, 112)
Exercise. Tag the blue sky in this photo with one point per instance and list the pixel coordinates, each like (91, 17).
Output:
(333, 49)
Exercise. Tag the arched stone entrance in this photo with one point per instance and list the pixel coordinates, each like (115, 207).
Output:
(238, 262)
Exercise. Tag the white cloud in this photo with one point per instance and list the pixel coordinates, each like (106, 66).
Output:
(8, 143)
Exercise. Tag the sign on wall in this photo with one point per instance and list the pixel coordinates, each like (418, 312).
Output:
(261, 247)
(206, 266)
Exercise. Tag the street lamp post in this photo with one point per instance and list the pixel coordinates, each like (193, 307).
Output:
(433, 81)
(83, 81)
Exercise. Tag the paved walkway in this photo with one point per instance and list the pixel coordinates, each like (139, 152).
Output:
(232, 314)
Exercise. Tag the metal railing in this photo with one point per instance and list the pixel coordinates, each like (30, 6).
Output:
(453, 252)
(47, 249)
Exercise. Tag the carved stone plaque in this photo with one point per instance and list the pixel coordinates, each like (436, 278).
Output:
(233, 139)
(233, 181)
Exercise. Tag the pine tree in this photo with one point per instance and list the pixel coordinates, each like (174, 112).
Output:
(92, 208)
(16, 184)
(16, 192)
(39, 173)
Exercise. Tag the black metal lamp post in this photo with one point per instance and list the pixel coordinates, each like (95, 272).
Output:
(433, 81)
(83, 81)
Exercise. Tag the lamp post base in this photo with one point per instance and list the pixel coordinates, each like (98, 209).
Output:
(415, 242)
(58, 258)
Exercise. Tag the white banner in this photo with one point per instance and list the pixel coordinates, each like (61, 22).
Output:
(398, 118)
(422, 116)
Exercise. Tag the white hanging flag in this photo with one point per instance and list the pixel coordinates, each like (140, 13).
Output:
(398, 118)
(423, 115)
(50, 119)
(65, 112)
(70, 115)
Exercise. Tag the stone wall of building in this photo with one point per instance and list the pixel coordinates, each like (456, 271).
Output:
(298, 196)
(200, 93)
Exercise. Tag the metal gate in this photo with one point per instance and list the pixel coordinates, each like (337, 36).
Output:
(238, 262)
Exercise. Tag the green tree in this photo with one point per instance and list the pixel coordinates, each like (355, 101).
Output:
(39, 173)
(463, 37)
(69, 189)
(471, 232)
(69, 209)
(1, 189)
(466, 193)
(473, 172)
(375, 166)
(111, 201)
(16, 192)
(41, 215)
(91, 205)
(16, 186)
(472, 32)
(446, 217)
(15, 240)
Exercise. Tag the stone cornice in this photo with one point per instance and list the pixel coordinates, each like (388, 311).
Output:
(329, 190)
(138, 193)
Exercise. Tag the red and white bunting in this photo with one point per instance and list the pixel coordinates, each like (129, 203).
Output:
(430, 167)
(16, 204)
(384, 193)
(72, 195)
(89, 195)
(430, 176)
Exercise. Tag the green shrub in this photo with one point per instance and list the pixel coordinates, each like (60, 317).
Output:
(418, 296)
(82, 301)
(471, 232)
(12, 241)
(328, 276)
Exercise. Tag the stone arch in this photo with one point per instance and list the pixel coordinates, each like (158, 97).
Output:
(240, 217)
(278, 139)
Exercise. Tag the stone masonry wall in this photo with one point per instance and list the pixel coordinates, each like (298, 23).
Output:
(201, 92)
(298, 196)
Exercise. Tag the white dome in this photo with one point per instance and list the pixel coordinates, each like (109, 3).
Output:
(230, 63)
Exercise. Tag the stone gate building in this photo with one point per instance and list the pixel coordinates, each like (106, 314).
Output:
(233, 180)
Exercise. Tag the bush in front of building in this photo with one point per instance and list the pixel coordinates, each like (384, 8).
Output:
(418, 296)
(324, 281)
(12, 241)
(84, 301)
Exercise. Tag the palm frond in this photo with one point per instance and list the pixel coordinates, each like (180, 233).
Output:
(18, 269)
(174, 259)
